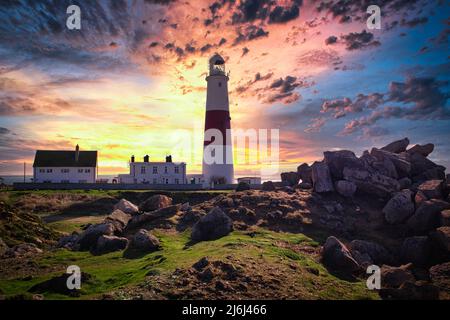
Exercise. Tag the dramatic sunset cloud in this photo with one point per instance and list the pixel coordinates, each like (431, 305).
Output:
(132, 80)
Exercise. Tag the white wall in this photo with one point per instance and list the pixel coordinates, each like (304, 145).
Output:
(161, 177)
(88, 175)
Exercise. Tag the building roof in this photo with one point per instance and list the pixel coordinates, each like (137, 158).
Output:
(47, 158)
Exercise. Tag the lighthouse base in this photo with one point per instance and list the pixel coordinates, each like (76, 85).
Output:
(216, 174)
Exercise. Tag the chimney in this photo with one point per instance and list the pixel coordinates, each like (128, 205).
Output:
(146, 158)
(77, 153)
(132, 158)
(169, 159)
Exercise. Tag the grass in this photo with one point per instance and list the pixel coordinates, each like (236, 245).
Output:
(113, 271)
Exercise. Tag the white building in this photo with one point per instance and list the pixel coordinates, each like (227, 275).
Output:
(195, 179)
(147, 172)
(65, 166)
(250, 180)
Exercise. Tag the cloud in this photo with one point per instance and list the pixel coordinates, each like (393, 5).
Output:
(315, 125)
(284, 14)
(331, 40)
(341, 107)
(250, 33)
(4, 130)
(361, 40)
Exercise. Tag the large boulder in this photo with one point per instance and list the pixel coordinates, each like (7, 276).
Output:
(156, 202)
(321, 177)
(126, 207)
(214, 225)
(154, 215)
(89, 237)
(420, 164)
(345, 188)
(399, 208)
(423, 150)
(268, 186)
(416, 250)
(243, 186)
(290, 178)
(106, 244)
(305, 173)
(337, 256)
(338, 160)
(371, 252)
(436, 173)
(144, 241)
(119, 219)
(400, 162)
(69, 241)
(426, 217)
(432, 189)
(442, 236)
(371, 183)
(394, 277)
(397, 146)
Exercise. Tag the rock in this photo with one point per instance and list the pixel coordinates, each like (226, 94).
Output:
(432, 189)
(373, 184)
(69, 242)
(405, 183)
(420, 164)
(346, 188)
(397, 146)
(88, 238)
(274, 215)
(338, 160)
(426, 217)
(201, 264)
(419, 198)
(377, 253)
(290, 178)
(144, 241)
(440, 276)
(242, 186)
(436, 173)
(394, 277)
(400, 161)
(304, 186)
(214, 225)
(385, 167)
(447, 178)
(268, 186)
(126, 207)
(321, 177)
(206, 275)
(59, 285)
(419, 290)
(106, 244)
(23, 249)
(442, 235)
(423, 150)
(416, 250)
(337, 257)
(399, 208)
(445, 218)
(118, 219)
(153, 215)
(156, 202)
(3, 247)
(305, 173)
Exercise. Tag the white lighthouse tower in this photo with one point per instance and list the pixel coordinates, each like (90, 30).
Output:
(217, 152)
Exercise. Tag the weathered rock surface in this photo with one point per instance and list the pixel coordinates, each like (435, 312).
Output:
(305, 173)
(432, 189)
(400, 161)
(426, 217)
(440, 276)
(338, 160)
(23, 249)
(346, 188)
(321, 177)
(144, 241)
(242, 186)
(106, 244)
(399, 208)
(445, 218)
(442, 236)
(268, 186)
(126, 207)
(376, 253)
(394, 277)
(371, 183)
(153, 215)
(397, 146)
(88, 238)
(156, 202)
(119, 219)
(423, 150)
(337, 256)
(214, 225)
(416, 250)
(290, 178)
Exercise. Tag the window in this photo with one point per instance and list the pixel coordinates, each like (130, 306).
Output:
(80, 170)
(165, 169)
(41, 170)
(177, 181)
(142, 170)
(49, 170)
(65, 170)
(87, 171)
(177, 170)
(167, 181)
(155, 170)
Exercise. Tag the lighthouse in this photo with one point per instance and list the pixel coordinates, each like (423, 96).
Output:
(217, 147)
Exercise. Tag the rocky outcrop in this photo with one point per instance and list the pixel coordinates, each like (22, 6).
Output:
(367, 253)
(118, 219)
(144, 241)
(394, 277)
(321, 177)
(423, 150)
(138, 221)
(399, 208)
(432, 189)
(305, 173)
(397, 146)
(345, 188)
(126, 207)
(106, 244)
(290, 178)
(371, 183)
(214, 225)
(156, 202)
(88, 239)
(426, 217)
(337, 256)
(268, 186)
(338, 160)
(416, 250)
(400, 161)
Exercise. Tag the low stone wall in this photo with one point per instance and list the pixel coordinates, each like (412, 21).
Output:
(110, 186)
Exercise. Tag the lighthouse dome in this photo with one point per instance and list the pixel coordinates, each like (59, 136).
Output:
(216, 65)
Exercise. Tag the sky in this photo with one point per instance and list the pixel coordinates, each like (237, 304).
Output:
(132, 80)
